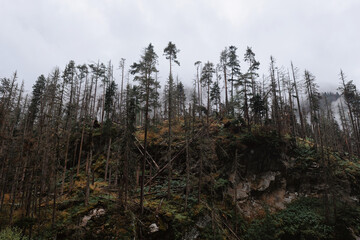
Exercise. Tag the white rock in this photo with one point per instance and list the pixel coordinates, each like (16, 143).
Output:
(153, 228)
(93, 213)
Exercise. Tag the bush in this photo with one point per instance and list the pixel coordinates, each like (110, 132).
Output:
(10, 234)
(301, 220)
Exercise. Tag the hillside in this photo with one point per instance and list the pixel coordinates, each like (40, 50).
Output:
(254, 184)
(86, 156)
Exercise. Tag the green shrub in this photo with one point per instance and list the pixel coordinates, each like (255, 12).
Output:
(300, 220)
(10, 234)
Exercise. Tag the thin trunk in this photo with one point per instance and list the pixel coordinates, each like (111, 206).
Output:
(187, 124)
(235, 189)
(208, 103)
(298, 103)
(80, 151)
(275, 99)
(65, 163)
(87, 190)
(107, 160)
(292, 120)
(226, 90)
(345, 128)
(169, 132)
(200, 173)
(246, 106)
(145, 145)
(54, 202)
(13, 195)
(94, 102)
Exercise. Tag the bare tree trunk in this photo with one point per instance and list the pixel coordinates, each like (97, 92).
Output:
(65, 163)
(235, 190)
(200, 173)
(80, 151)
(226, 89)
(187, 124)
(88, 167)
(303, 133)
(107, 160)
(145, 146)
(275, 98)
(94, 102)
(54, 200)
(13, 195)
(345, 128)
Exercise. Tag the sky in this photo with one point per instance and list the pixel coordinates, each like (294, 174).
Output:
(321, 36)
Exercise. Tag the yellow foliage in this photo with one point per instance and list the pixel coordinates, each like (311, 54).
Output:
(177, 197)
(80, 183)
(6, 197)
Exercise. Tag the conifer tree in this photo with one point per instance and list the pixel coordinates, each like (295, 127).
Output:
(275, 103)
(313, 96)
(303, 132)
(234, 67)
(170, 53)
(223, 65)
(180, 99)
(143, 71)
(248, 80)
(110, 98)
(69, 79)
(199, 100)
(206, 80)
(351, 98)
(215, 94)
(127, 146)
(38, 90)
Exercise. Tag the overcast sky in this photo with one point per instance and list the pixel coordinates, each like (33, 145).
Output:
(319, 35)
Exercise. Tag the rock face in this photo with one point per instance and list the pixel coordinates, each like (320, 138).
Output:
(93, 213)
(255, 190)
(262, 182)
(276, 188)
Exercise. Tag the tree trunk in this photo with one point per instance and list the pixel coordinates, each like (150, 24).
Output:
(80, 151)
(226, 90)
(107, 160)
(88, 166)
(303, 133)
(145, 145)
(65, 163)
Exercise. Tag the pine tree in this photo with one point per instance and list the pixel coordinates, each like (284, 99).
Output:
(223, 65)
(37, 93)
(206, 80)
(275, 103)
(234, 66)
(303, 132)
(110, 98)
(351, 97)
(69, 79)
(313, 96)
(127, 146)
(215, 94)
(170, 53)
(143, 71)
(248, 81)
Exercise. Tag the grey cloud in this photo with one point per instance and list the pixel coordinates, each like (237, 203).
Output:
(317, 35)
